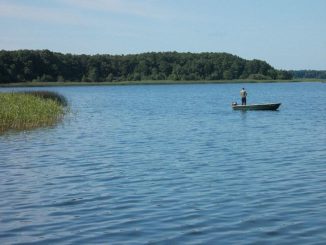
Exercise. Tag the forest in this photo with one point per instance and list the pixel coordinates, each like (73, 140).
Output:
(48, 66)
(308, 74)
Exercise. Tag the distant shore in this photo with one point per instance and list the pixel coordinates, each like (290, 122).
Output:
(150, 82)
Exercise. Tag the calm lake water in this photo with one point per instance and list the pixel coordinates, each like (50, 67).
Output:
(170, 164)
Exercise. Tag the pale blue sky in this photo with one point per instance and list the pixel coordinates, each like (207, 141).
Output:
(288, 34)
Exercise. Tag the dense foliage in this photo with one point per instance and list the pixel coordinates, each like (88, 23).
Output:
(49, 95)
(27, 110)
(309, 74)
(47, 66)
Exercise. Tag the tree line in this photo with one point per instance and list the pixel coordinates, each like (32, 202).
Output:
(47, 66)
(309, 74)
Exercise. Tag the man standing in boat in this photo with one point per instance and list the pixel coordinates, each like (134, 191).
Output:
(243, 95)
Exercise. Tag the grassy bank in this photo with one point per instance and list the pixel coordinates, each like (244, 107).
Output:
(50, 84)
(27, 110)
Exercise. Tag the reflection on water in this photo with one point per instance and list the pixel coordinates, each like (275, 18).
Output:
(169, 164)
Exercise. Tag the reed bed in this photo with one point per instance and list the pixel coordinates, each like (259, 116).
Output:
(49, 95)
(27, 110)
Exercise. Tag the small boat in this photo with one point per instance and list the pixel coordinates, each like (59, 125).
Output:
(270, 106)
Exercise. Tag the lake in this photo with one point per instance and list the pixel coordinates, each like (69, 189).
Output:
(170, 164)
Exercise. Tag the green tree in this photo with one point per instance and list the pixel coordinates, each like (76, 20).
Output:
(93, 75)
(227, 75)
(44, 65)
(109, 78)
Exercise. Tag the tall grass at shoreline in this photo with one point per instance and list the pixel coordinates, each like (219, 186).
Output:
(49, 95)
(27, 110)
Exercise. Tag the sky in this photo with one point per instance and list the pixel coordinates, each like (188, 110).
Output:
(288, 34)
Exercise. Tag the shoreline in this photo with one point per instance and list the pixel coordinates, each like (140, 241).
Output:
(150, 82)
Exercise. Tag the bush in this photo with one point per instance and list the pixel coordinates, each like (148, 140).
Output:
(258, 77)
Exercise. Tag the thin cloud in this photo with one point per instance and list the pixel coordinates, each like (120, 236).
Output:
(21, 11)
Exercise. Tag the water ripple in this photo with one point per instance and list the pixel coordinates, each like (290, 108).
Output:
(169, 165)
